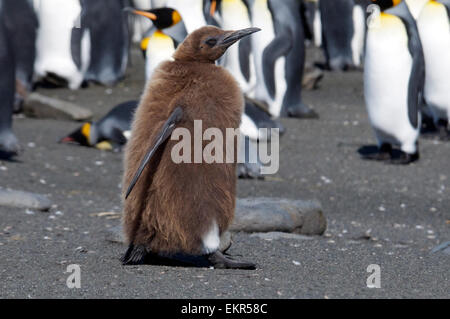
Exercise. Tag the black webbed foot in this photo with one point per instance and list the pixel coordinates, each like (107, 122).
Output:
(301, 112)
(444, 134)
(405, 159)
(384, 153)
(135, 255)
(220, 261)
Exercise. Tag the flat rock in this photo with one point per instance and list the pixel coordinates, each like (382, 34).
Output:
(41, 106)
(19, 199)
(254, 215)
(280, 235)
(115, 235)
(442, 248)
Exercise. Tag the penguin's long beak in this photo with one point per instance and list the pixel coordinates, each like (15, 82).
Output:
(213, 8)
(233, 37)
(146, 14)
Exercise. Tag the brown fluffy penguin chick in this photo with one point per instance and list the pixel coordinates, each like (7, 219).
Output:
(177, 212)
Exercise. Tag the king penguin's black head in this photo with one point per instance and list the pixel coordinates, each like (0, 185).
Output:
(386, 4)
(81, 136)
(162, 18)
(209, 43)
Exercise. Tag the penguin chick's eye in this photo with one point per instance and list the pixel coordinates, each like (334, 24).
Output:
(211, 42)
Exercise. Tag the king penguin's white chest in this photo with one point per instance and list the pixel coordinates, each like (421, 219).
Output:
(262, 18)
(235, 16)
(57, 19)
(388, 67)
(434, 28)
(191, 12)
(160, 48)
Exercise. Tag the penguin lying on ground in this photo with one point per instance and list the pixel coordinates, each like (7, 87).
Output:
(394, 78)
(434, 28)
(179, 211)
(109, 133)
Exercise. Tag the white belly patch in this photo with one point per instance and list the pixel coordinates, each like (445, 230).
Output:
(211, 239)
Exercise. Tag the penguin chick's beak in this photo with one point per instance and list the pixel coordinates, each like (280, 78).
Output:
(146, 14)
(233, 37)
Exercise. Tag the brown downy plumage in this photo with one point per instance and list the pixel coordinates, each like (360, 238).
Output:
(172, 207)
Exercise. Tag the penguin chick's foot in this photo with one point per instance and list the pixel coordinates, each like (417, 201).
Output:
(220, 261)
(405, 159)
(135, 255)
(249, 171)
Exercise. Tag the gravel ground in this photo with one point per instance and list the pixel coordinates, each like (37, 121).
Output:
(377, 214)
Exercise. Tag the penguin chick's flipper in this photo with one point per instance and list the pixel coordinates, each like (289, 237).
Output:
(220, 261)
(164, 134)
(280, 46)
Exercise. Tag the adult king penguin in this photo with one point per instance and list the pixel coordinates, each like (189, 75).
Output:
(279, 51)
(17, 38)
(394, 78)
(63, 44)
(239, 59)
(141, 24)
(24, 42)
(109, 40)
(8, 141)
(192, 12)
(434, 28)
(158, 45)
(343, 32)
(179, 211)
